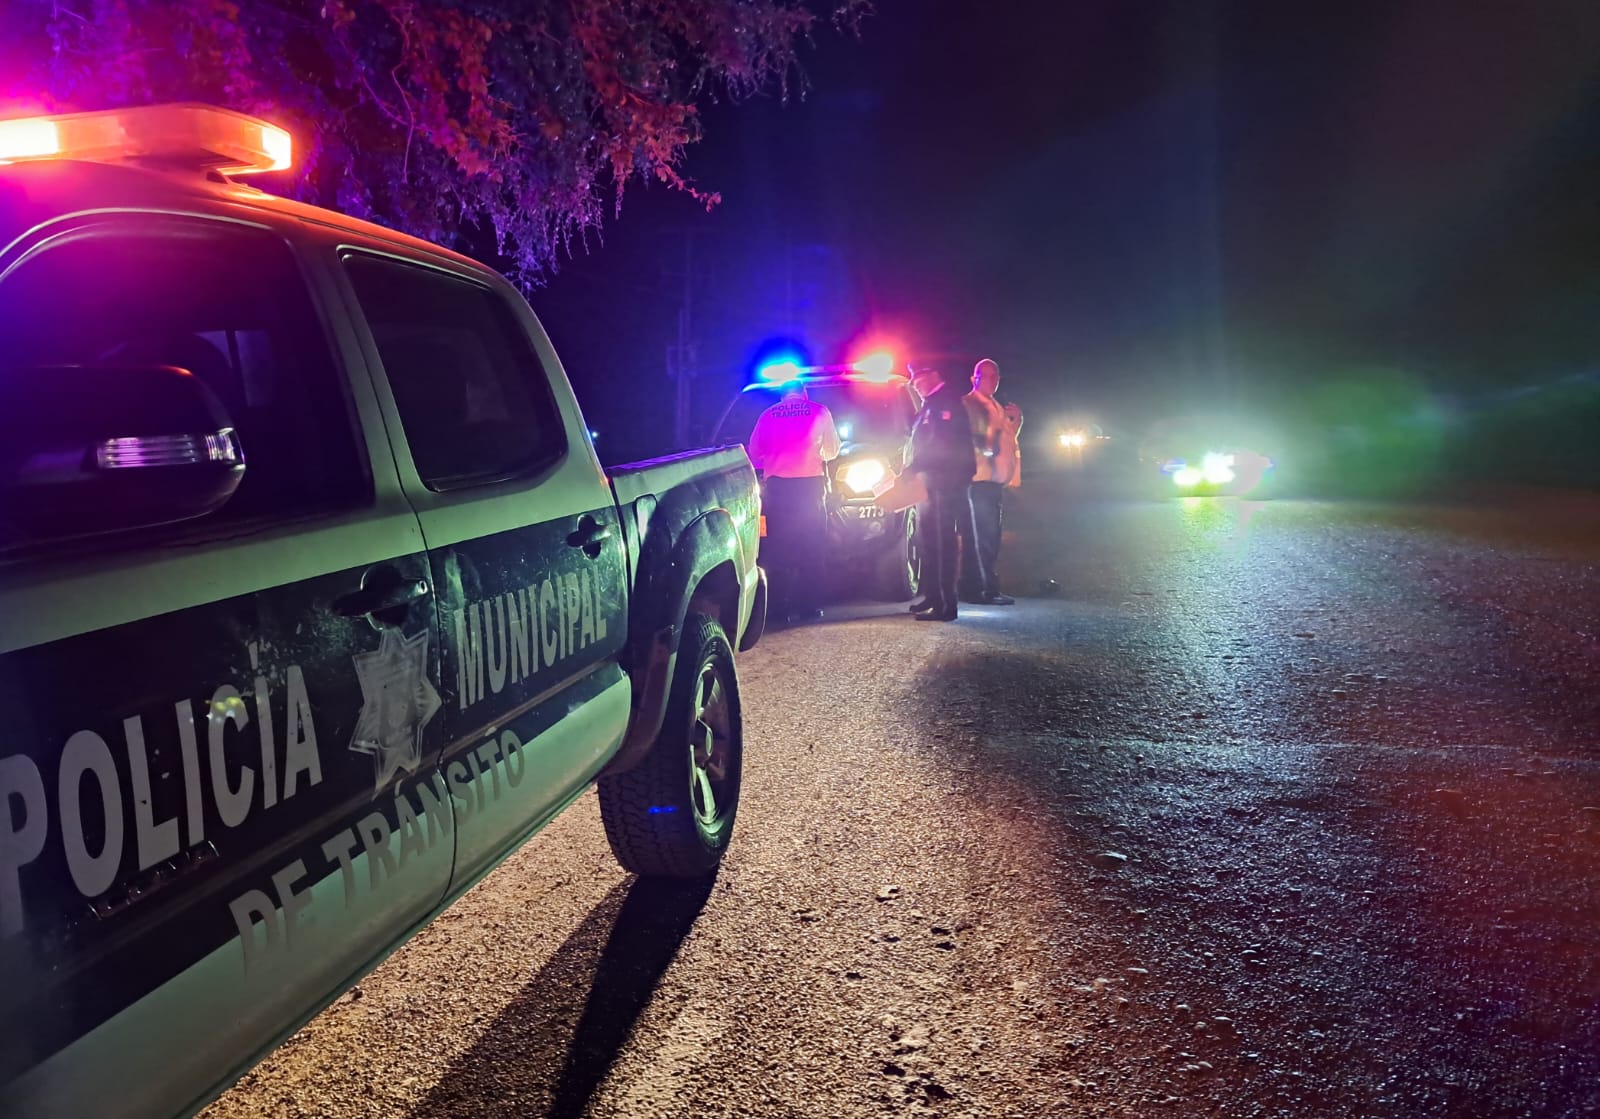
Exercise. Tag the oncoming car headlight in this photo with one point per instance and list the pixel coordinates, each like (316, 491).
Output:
(863, 474)
(1216, 469)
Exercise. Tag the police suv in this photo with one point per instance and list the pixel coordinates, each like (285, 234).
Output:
(315, 603)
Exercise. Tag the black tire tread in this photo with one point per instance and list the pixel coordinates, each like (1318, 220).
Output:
(894, 583)
(668, 845)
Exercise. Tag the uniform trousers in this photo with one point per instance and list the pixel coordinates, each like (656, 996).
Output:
(941, 517)
(797, 525)
(980, 541)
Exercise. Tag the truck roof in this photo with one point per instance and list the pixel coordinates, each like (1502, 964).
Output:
(34, 193)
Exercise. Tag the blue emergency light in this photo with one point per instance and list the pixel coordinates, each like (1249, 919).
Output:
(777, 372)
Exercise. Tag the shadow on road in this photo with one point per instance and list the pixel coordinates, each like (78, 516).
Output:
(551, 1047)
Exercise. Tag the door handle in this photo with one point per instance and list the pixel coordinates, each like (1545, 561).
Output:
(379, 597)
(590, 535)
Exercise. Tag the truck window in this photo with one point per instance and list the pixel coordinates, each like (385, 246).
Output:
(229, 305)
(473, 399)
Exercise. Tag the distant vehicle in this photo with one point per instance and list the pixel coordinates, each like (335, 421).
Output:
(1238, 471)
(1208, 455)
(872, 543)
(1072, 443)
(316, 605)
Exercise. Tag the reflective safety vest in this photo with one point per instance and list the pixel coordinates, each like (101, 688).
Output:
(994, 441)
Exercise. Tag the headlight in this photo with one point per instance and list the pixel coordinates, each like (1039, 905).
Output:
(860, 476)
(1072, 439)
(1217, 469)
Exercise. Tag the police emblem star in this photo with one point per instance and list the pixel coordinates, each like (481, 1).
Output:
(397, 703)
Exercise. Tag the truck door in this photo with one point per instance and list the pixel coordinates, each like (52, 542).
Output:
(523, 538)
(211, 733)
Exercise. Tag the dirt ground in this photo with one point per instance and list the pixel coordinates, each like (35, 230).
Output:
(1287, 809)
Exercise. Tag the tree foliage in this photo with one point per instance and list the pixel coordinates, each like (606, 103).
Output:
(526, 118)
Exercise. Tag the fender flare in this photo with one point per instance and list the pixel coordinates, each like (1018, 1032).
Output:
(708, 543)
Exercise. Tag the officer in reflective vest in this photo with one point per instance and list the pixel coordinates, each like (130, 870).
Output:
(791, 445)
(998, 467)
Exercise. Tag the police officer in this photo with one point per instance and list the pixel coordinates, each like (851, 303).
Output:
(998, 467)
(791, 445)
(941, 454)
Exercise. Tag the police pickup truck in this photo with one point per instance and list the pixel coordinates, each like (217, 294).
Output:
(315, 603)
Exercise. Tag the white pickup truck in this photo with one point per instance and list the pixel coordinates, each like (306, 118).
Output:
(315, 603)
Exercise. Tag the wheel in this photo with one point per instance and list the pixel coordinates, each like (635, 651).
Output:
(671, 816)
(900, 571)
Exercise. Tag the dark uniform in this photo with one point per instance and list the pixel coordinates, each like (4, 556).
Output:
(941, 452)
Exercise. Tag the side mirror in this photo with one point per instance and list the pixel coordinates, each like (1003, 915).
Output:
(86, 450)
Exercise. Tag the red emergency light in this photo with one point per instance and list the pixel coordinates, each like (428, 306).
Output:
(876, 368)
(199, 136)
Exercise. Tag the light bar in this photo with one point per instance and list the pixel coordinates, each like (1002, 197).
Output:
(878, 376)
(780, 371)
(880, 364)
(778, 374)
(198, 136)
(29, 139)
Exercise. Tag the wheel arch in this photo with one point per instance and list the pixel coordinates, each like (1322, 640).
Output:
(701, 575)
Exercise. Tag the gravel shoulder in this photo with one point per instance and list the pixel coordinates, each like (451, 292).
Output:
(873, 945)
(1285, 810)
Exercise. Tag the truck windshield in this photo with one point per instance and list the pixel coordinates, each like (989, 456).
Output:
(868, 413)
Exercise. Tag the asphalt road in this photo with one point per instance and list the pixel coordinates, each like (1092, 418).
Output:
(1272, 809)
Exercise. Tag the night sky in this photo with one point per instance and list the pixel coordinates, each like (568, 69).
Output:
(1133, 206)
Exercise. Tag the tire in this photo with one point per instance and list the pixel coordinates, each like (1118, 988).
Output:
(900, 570)
(671, 816)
